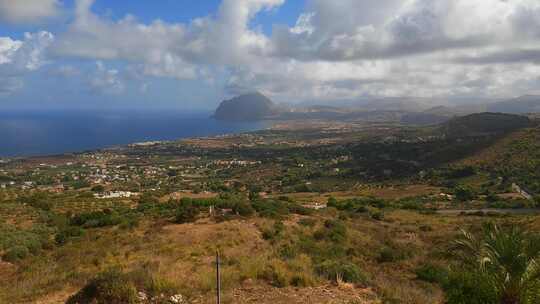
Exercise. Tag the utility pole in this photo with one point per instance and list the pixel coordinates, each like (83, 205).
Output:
(218, 280)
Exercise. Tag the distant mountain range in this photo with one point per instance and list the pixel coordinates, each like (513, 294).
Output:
(521, 105)
(422, 111)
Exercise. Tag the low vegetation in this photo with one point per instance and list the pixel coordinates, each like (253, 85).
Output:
(314, 214)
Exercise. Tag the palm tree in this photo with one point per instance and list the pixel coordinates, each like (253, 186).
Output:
(509, 259)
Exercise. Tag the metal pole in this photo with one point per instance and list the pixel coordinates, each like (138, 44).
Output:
(218, 281)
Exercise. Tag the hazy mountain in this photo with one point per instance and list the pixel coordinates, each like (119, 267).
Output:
(247, 107)
(520, 105)
(423, 119)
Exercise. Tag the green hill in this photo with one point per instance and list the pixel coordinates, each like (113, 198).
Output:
(515, 156)
(482, 124)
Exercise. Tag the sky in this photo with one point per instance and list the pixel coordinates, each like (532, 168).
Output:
(189, 54)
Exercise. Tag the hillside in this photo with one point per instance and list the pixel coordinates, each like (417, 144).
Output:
(484, 124)
(247, 107)
(515, 156)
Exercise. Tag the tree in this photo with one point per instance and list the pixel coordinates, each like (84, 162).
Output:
(464, 194)
(187, 213)
(243, 208)
(508, 260)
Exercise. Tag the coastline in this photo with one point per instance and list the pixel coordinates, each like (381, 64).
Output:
(57, 133)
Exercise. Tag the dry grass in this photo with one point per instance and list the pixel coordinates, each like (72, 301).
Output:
(184, 254)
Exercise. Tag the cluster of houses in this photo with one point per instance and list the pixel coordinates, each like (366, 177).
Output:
(235, 162)
(115, 194)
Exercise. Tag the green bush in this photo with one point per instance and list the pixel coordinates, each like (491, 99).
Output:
(96, 219)
(357, 205)
(288, 251)
(432, 273)
(186, 213)
(16, 253)
(347, 271)
(465, 287)
(274, 232)
(464, 193)
(109, 287)
(392, 254)
(270, 208)
(334, 230)
(34, 245)
(243, 209)
(64, 235)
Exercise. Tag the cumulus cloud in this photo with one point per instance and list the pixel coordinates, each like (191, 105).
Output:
(20, 57)
(28, 11)
(105, 80)
(163, 49)
(349, 49)
(335, 50)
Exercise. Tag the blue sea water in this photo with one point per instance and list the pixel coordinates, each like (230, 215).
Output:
(30, 133)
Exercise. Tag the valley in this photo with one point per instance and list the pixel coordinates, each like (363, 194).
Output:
(308, 210)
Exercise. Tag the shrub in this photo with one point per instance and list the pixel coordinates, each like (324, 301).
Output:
(392, 254)
(334, 230)
(153, 285)
(64, 235)
(277, 274)
(16, 253)
(432, 273)
(111, 286)
(288, 251)
(347, 271)
(469, 287)
(186, 213)
(332, 202)
(464, 193)
(96, 219)
(243, 209)
(33, 245)
(298, 209)
(274, 232)
(270, 208)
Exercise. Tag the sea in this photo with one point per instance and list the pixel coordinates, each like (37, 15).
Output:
(50, 132)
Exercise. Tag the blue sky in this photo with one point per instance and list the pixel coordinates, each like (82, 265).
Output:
(193, 54)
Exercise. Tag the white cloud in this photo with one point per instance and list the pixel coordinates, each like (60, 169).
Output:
(18, 58)
(174, 50)
(105, 80)
(32, 53)
(8, 47)
(336, 50)
(28, 11)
